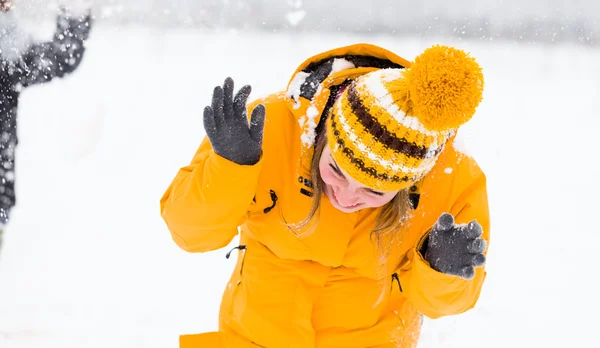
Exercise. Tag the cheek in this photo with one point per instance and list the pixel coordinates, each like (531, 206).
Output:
(328, 176)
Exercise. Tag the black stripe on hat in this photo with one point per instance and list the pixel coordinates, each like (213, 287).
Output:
(359, 162)
(379, 132)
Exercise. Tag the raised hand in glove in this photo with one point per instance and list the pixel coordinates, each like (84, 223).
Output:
(71, 25)
(227, 128)
(455, 249)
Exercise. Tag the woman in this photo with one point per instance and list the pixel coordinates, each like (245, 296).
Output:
(357, 214)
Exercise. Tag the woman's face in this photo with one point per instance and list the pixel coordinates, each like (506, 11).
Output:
(345, 193)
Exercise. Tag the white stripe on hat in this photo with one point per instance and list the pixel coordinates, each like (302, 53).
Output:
(373, 83)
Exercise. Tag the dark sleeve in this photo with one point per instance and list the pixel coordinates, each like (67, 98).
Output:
(44, 61)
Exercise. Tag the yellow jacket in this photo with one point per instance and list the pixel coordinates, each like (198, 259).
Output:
(325, 289)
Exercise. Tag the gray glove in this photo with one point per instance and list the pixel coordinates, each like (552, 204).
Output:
(226, 125)
(455, 249)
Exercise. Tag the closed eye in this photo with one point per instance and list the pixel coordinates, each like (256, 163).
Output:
(337, 171)
(376, 193)
(339, 174)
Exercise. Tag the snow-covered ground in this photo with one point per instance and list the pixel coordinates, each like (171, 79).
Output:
(88, 262)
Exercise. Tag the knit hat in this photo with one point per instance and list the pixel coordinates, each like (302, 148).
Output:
(388, 128)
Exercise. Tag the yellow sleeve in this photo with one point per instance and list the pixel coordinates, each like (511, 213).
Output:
(207, 200)
(436, 294)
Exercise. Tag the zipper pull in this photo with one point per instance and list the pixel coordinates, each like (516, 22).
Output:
(397, 279)
(274, 199)
(241, 247)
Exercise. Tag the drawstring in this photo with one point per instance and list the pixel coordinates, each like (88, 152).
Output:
(397, 279)
(241, 247)
(274, 199)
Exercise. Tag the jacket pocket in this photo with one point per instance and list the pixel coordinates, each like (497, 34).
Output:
(409, 320)
(234, 283)
(241, 260)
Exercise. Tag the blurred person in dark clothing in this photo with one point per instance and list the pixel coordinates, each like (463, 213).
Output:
(5, 5)
(24, 63)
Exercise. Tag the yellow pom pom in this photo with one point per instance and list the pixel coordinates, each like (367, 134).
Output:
(445, 87)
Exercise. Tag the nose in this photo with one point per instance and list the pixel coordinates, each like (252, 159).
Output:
(346, 196)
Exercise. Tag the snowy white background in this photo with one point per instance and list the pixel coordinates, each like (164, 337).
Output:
(528, 21)
(88, 262)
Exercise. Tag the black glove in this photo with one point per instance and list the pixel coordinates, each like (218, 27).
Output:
(455, 249)
(226, 125)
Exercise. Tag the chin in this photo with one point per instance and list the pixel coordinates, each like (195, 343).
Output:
(348, 210)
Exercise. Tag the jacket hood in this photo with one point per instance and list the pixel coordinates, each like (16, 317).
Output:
(321, 76)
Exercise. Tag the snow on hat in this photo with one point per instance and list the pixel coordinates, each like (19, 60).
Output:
(388, 128)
